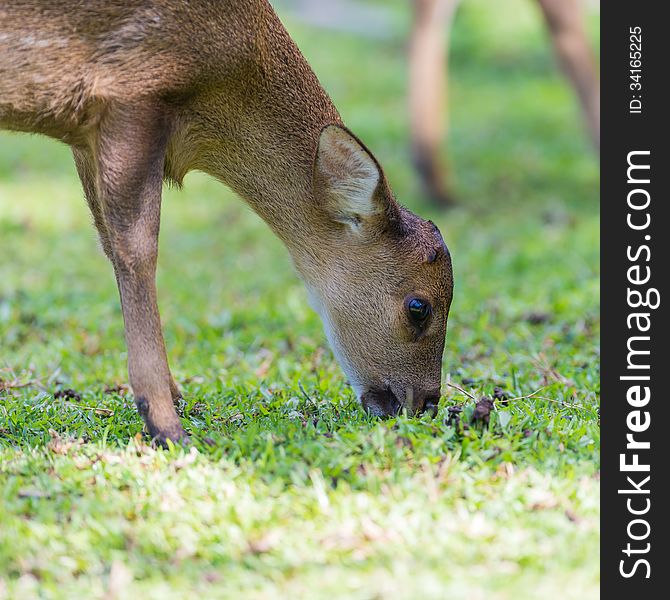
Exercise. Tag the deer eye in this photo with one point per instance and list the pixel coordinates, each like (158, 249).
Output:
(419, 310)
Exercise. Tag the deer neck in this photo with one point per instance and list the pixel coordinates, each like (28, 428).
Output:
(256, 130)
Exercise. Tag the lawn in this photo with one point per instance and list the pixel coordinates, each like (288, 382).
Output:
(290, 490)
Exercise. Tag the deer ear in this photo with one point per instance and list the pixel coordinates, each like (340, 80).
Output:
(346, 177)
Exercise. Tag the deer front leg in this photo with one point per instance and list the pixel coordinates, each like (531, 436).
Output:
(128, 172)
(565, 21)
(428, 52)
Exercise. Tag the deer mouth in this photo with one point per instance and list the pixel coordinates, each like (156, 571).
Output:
(382, 402)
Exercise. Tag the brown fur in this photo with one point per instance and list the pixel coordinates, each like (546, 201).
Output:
(149, 90)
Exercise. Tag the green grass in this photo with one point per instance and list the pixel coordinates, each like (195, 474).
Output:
(291, 490)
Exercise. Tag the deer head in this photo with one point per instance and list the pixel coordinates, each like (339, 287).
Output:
(381, 279)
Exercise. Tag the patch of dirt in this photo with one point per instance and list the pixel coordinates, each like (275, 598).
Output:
(500, 396)
(6, 384)
(68, 394)
(537, 317)
(404, 442)
(62, 444)
(198, 408)
(120, 388)
(454, 415)
(482, 412)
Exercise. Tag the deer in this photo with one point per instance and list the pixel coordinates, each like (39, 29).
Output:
(144, 91)
(427, 81)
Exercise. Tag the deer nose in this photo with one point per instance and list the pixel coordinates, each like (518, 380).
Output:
(381, 402)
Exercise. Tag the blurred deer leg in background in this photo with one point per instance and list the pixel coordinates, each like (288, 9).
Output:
(428, 51)
(566, 22)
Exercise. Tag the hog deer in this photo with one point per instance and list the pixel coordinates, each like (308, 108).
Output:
(147, 90)
(428, 65)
